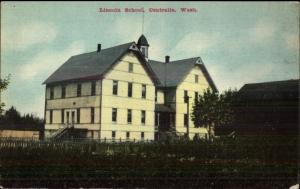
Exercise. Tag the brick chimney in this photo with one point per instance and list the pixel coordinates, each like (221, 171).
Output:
(99, 48)
(167, 59)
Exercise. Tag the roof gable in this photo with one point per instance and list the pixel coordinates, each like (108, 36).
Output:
(173, 73)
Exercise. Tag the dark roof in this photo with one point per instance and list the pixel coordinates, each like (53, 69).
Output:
(163, 108)
(142, 41)
(287, 89)
(173, 73)
(91, 65)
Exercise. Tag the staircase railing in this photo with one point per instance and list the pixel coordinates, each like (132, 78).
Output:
(61, 131)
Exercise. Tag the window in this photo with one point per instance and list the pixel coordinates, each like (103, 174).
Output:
(156, 119)
(196, 78)
(113, 134)
(51, 92)
(186, 96)
(196, 96)
(93, 88)
(143, 50)
(185, 120)
(129, 89)
(78, 115)
(127, 135)
(78, 89)
(142, 135)
(143, 91)
(143, 116)
(129, 112)
(114, 115)
(63, 92)
(130, 67)
(68, 116)
(155, 95)
(62, 116)
(115, 87)
(51, 116)
(92, 115)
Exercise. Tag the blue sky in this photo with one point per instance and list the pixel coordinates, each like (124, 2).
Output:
(238, 42)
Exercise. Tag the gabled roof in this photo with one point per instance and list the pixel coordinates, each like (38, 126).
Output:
(287, 89)
(94, 64)
(173, 73)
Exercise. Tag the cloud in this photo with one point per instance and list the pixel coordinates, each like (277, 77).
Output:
(20, 37)
(262, 31)
(45, 62)
(292, 41)
(195, 43)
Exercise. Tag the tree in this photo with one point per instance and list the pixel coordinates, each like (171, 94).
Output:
(3, 85)
(212, 109)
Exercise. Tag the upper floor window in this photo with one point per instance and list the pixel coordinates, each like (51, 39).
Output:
(186, 96)
(63, 92)
(196, 78)
(143, 91)
(92, 115)
(143, 116)
(79, 89)
(130, 67)
(155, 95)
(114, 115)
(129, 116)
(51, 92)
(93, 88)
(129, 89)
(115, 87)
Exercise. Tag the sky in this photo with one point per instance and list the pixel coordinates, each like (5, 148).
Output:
(239, 42)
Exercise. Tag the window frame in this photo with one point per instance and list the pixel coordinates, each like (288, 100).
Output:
(93, 88)
(186, 93)
(142, 135)
(51, 92)
(185, 120)
(79, 87)
(129, 88)
(62, 116)
(114, 115)
(115, 87)
(129, 116)
(144, 91)
(196, 78)
(51, 116)
(63, 91)
(130, 67)
(92, 115)
(113, 134)
(143, 117)
(78, 115)
(127, 135)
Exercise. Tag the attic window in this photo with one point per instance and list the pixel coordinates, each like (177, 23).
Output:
(130, 67)
(196, 78)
